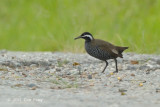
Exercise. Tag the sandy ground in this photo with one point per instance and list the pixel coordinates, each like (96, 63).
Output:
(75, 80)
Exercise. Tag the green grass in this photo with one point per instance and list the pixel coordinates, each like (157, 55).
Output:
(51, 25)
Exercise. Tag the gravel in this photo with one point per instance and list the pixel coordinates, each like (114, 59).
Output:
(74, 80)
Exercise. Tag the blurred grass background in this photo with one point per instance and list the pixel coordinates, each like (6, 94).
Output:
(51, 25)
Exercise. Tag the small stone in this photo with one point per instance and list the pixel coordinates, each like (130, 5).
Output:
(33, 88)
(25, 63)
(11, 64)
(120, 67)
(132, 67)
(134, 62)
(89, 76)
(46, 68)
(158, 62)
(24, 74)
(147, 72)
(3, 69)
(31, 85)
(44, 63)
(53, 87)
(75, 64)
(68, 73)
(13, 57)
(33, 65)
(132, 74)
(111, 73)
(119, 78)
(58, 69)
(91, 84)
(144, 81)
(18, 85)
(105, 85)
(122, 93)
(2, 77)
(144, 67)
(122, 90)
(9, 73)
(56, 87)
(140, 84)
(51, 71)
(157, 90)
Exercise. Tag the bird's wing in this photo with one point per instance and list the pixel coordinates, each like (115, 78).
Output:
(106, 46)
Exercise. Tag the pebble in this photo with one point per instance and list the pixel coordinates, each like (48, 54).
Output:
(89, 76)
(122, 93)
(132, 67)
(44, 63)
(52, 70)
(26, 63)
(144, 67)
(158, 62)
(122, 90)
(24, 74)
(140, 84)
(33, 65)
(158, 90)
(31, 85)
(18, 85)
(132, 74)
(58, 69)
(33, 88)
(147, 72)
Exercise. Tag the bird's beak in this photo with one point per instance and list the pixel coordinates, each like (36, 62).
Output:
(77, 37)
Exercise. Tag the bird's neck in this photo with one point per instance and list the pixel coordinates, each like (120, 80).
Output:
(88, 39)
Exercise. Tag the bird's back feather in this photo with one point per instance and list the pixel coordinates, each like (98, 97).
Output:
(114, 51)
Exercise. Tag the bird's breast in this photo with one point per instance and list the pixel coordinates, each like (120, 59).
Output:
(96, 52)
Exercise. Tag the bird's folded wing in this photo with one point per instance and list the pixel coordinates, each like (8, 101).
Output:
(108, 47)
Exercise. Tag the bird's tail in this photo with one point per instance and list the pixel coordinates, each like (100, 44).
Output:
(120, 50)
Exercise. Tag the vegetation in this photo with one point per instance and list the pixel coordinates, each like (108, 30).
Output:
(51, 25)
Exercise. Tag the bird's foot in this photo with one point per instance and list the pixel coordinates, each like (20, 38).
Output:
(115, 72)
(102, 72)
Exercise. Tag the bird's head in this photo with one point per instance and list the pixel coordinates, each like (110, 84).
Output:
(86, 35)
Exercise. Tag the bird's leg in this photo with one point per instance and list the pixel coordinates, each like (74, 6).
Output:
(116, 66)
(105, 67)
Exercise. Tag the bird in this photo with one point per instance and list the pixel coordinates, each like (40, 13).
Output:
(101, 49)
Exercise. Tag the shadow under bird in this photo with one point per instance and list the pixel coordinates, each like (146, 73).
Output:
(102, 50)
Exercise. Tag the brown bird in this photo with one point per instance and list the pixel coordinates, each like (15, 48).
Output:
(102, 50)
